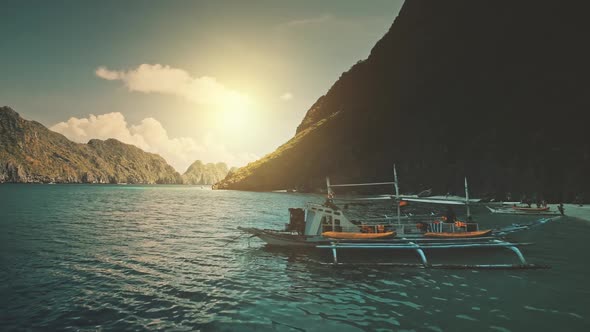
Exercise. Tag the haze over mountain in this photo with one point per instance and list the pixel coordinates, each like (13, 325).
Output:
(29, 152)
(188, 80)
(494, 91)
(201, 173)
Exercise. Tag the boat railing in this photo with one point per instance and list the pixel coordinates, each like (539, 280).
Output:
(432, 226)
(410, 218)
(403, 217)
(458, 226)
(403, 228)
(375, 221)
(363, 228)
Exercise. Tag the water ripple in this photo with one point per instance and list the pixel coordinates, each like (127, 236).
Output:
(167, 258)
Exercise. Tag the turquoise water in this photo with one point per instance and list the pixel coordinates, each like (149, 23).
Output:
(83, 257)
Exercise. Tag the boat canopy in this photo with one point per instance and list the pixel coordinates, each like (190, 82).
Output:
(446, 200)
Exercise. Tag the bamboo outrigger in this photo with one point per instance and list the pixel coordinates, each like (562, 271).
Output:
(422, 245)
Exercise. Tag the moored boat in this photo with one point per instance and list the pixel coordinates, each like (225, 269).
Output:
(321, 223)
(530, 209)
(545, 211)
(327, 226)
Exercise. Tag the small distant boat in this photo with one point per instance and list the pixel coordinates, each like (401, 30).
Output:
(356, 235)
(443, 200)
(531, 209)
(425, 193)
(523, 210)
(291, 190)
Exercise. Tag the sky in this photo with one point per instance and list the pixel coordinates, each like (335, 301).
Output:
(219, 81)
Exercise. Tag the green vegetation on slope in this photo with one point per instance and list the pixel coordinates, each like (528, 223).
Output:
(493, 91)
(31, 153)
(200, 173)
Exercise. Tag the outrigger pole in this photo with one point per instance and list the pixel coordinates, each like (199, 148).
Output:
(397, 201)
(420, 245)
(467, 200)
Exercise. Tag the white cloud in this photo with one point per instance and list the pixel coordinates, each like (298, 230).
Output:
(308, 21)
(103, 72)
(173, 81)
(287, 96)
(150, 136)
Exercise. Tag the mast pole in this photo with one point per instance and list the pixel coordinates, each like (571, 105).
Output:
(397, 201)
(328, 185)
(467, 199)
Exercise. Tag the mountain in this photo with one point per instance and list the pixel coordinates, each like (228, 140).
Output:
(200, 173)
(31, 153)
(494, 91)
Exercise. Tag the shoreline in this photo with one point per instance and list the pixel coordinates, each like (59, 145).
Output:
(571, 210)
(574, 210)
(104, 184)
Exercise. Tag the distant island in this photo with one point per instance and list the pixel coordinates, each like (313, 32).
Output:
(497, 92)
(31, 153)
(201, 173)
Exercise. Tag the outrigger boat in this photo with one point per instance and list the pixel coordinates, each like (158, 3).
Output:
(326, 226)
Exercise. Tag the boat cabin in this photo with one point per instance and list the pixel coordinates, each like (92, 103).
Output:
(316, 219)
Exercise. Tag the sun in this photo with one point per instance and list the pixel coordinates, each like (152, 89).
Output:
(236, 113)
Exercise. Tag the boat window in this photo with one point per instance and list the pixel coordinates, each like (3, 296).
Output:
(337, 221)
(328, 211)
(337, 213)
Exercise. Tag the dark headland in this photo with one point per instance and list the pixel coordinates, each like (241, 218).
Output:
(494, 91)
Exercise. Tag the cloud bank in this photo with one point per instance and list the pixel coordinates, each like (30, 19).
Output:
(157, 78)
(150, 136)
(308, 21)
(287, 96)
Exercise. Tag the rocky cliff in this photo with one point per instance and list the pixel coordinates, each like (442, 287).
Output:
(491, 90)
(31, 153)
(200, 173)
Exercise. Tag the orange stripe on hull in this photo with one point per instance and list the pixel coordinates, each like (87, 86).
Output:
(351, 235)
(459, 234)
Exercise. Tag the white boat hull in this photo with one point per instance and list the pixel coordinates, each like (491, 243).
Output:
(280, 238)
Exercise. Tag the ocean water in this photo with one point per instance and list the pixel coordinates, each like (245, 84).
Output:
(100, 257)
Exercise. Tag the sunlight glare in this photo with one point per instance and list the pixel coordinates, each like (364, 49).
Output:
(236, 113)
